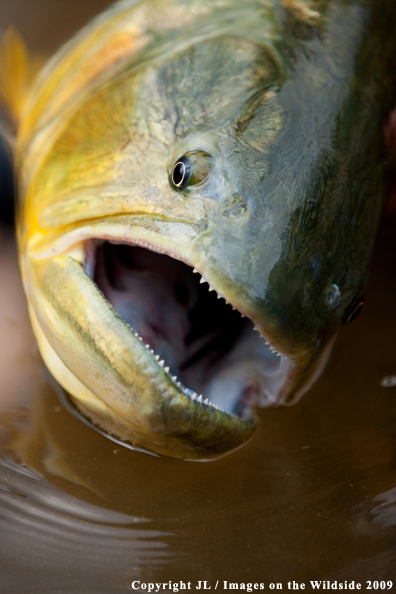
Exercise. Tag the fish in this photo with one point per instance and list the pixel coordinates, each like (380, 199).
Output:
(199, 186)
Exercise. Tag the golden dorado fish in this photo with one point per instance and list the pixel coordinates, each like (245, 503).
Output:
(240, 141)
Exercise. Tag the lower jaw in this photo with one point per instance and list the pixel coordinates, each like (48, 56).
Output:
(138, 399)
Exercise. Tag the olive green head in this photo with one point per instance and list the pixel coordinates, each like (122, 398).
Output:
(237, 145)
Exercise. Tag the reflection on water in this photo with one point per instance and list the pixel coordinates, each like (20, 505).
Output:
(61, 544)
(312, 497)
(385, 512)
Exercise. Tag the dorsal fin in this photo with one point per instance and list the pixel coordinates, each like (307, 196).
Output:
(17, 73)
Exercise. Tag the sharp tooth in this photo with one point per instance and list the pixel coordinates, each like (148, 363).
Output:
(195, 270)
(166, 369)
(161, 363)
(202, 280)
(174, 378)
(266, 341)
(148, 346)
(151, 351)
(211, 288)
(206, 401)
(199, 398)
(156, 357)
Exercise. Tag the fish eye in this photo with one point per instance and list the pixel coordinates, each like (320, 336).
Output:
(355, 312)
(192, 169)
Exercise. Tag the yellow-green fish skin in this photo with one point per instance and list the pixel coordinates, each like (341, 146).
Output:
(282, 105)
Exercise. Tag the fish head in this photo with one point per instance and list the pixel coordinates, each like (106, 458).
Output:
(199, 160)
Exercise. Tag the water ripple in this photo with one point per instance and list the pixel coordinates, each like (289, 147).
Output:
(57, 536)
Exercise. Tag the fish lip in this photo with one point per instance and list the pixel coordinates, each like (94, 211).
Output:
(62, 240)
(73, 409)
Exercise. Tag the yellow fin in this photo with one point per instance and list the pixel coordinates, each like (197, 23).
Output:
(18, 70)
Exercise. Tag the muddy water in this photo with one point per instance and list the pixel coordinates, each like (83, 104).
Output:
(312, 497)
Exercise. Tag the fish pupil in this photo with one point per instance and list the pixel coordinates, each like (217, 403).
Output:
(181, 173)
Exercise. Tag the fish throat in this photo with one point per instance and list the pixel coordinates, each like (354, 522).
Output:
(209, 349)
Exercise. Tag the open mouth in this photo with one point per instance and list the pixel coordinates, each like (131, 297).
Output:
(209, 349)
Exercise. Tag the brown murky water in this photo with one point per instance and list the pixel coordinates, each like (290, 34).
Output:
(312, 497)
